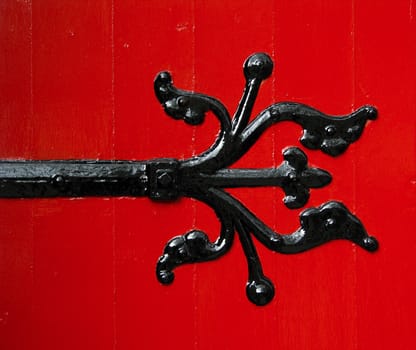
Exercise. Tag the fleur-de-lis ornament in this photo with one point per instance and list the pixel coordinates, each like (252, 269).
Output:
(206, 177)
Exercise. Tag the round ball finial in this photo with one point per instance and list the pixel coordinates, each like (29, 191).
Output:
(260, 292)
(165, 276)
(258, 65)
(370, 244)
(371, 112)
(164, 77)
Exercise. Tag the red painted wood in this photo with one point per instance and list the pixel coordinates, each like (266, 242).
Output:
(16, 226)
(76, 82)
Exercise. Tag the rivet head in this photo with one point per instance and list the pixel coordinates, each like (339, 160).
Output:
(330, 223)
(164, 179)
(330, 130)
(58, 180)
(143, 179)
(293, 177)
(182, 101)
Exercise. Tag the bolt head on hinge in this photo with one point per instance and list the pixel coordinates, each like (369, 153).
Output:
(163, 179)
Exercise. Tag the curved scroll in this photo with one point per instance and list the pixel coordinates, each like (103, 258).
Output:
(195, 245)
(192, 107)
(330, 134)
(330, 221)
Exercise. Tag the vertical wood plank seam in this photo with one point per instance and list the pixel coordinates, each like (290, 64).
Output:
(274, 133)
(194, 205)
(113, 203)
(30, 145)
(354, 174)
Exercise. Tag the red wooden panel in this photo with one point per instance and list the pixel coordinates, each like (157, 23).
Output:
(73, 110)
(150, 35)
(385, 73)
(317, 35)
(16, 225)
(56, 272)
(76, 82)
(224, 38)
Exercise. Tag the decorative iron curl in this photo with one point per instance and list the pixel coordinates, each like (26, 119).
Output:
(205, 176)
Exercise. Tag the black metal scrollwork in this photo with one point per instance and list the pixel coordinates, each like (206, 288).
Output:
(206, 176)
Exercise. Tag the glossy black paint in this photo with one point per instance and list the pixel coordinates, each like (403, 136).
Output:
(77, 178)
(206, 176)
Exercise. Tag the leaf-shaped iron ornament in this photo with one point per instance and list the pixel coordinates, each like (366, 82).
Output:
(206, 176)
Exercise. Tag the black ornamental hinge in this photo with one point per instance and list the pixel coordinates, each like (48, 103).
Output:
(206, 177)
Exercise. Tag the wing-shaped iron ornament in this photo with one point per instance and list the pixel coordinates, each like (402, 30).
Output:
(206, 176)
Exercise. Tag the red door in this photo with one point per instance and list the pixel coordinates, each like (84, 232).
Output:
(76, 81)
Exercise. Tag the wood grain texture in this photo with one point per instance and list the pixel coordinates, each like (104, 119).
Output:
(76, 82)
